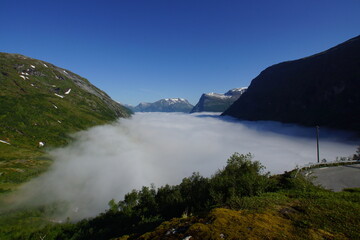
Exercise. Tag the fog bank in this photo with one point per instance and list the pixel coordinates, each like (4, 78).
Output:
(108, 161)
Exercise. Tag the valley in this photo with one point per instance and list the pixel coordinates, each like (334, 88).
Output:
(75, 164)
(109, 161)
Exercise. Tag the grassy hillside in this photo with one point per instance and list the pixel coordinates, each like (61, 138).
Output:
(40, 102)
(240, 201)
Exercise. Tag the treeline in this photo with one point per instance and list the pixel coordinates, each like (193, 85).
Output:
(143, 210)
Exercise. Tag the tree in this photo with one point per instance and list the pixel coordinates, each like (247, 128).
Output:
(195, 192)
(241, 177)
(170, 202)
(130, 201)
(357, 154)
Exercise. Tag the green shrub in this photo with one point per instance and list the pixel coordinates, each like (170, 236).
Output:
(195, 192)
(240, 178)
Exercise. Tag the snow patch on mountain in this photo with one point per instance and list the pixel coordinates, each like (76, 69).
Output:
(217, 102)
(164, 105)
(60, 96)
(2, 141)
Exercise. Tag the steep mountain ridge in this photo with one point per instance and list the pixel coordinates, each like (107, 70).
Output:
(216, 102)
(164, 105)
(322, 89)
(40, 102)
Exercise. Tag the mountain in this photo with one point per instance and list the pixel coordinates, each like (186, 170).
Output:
(216, 102)
(165, 105)
(322, 89)
(41, 103)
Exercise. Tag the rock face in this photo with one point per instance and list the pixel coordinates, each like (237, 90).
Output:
(165, 105)
(40, 102)
(322, 89)
(215, 102)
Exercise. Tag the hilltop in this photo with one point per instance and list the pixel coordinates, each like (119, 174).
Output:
(40, 105)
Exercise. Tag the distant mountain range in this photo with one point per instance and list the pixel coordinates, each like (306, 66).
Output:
(323, 89)
(216, 102)
(164, 105)
(40, 102)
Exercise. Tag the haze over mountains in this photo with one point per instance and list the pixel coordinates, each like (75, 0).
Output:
(322, 89)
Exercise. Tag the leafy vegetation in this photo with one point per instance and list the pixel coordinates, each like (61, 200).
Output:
(238, 201)
(357, 154)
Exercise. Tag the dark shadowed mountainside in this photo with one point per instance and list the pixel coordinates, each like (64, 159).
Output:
(322, 89)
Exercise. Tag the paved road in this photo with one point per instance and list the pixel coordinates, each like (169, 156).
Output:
(337, 178)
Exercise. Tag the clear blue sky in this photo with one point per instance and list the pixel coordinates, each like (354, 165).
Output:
(145, 50)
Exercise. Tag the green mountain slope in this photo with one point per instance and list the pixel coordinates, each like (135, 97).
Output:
(40, 104)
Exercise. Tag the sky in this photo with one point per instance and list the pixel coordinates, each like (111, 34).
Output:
(146, 50)
(108, 161)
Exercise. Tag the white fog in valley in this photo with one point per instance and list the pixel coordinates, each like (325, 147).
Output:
(106, 162)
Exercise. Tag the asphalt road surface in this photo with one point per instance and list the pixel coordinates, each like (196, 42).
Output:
(337, 178)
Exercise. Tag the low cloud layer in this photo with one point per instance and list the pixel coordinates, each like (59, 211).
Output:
(106, 162)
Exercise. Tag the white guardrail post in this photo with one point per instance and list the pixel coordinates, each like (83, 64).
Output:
(323, 164)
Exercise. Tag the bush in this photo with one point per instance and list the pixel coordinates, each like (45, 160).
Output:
(241, 184)
(195, 192)
(170, 201)
(357, 154)
(241, 177)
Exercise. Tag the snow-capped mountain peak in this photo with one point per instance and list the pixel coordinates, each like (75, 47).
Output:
(216, 102)
(165, 105)
(175, 100)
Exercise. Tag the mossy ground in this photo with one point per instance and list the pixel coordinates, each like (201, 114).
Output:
(297, 210)
(324, 215)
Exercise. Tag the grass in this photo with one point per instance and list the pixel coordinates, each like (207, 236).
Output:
(292, 208)
(26, 223)
(309, 215)
(30, 113)
(292, 215)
